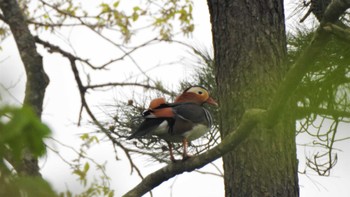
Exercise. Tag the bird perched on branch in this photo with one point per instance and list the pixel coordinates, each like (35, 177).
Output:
(182, 121)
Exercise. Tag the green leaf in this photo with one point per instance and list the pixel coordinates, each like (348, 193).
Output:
(86, 167)
(34, 187)
(136, 8)
(105, 7)
(135, 16)
(23, 130)
(85, 136)
(116, 4)
(25, 186)
(80, 173)
(93, 138)
(111, 194)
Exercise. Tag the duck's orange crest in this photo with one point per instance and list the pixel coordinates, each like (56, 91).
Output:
(156, 103)
(163, 113)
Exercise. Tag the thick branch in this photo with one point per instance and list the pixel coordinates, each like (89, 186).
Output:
(37, 80)
(232, 141)
(305, 61)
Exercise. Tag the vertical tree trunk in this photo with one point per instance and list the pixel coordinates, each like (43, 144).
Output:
(250, 49)
(37, 80)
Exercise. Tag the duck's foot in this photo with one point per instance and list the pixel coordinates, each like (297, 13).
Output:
(185, 157)
(175, 160)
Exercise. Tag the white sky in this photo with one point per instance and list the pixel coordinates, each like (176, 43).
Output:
(62, 104)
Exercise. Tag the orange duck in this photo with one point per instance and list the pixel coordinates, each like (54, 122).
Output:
(182, 121)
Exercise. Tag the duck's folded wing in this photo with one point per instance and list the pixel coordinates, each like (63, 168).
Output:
(146, 127)
(189, 115)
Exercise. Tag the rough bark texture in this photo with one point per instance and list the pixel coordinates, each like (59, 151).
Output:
(250, 48)
(37, 80)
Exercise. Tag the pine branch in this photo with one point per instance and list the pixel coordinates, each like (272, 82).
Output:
(304, 62)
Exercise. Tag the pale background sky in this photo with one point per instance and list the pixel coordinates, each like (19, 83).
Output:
(62, 104)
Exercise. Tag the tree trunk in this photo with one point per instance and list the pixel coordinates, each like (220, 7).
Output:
(250, 49)
(37, 80)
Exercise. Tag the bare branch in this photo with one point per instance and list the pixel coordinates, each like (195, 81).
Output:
(30, 21)
(146, 86)
(128, 53)
(85, 105)
(53, 48)
(82, 89)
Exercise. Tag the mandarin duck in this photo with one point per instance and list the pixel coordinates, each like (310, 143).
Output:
(182, 121)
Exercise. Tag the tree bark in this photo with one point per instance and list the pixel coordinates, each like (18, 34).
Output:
(250, 49)
(37, 80)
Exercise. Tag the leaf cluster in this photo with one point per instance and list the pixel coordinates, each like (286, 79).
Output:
(25, 186)
(121, 18)
(21, 132)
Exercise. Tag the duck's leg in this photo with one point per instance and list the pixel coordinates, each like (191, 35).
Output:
(185, 145)
(172, 158)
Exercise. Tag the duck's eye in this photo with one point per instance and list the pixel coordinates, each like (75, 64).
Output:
(200, 92)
